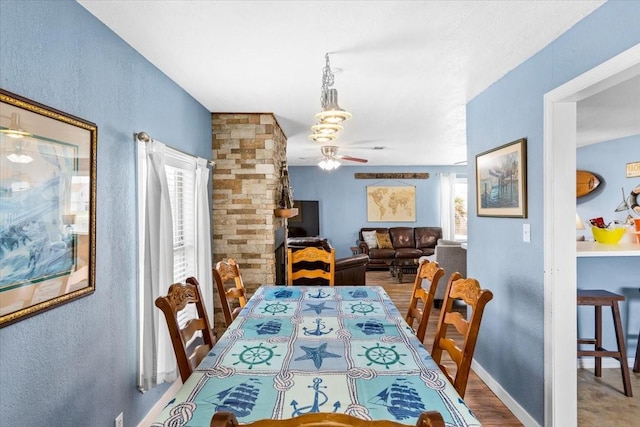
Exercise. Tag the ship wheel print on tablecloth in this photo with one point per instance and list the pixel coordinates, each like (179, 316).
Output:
(362, 308)
(382, 355)
(275, 308)
(256, 355)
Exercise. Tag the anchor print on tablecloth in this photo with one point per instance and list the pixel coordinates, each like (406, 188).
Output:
(319, 399)
(317, 307)
(401, 399)
(317, 354)
(318, 331)
(321, 294)
(256, 355)
(272, 327)
(275, 308)
(382, 355)
(358, 293)
(371, 327)
(239, 399)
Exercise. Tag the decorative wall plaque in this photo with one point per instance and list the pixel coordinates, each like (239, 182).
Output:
(410, 175)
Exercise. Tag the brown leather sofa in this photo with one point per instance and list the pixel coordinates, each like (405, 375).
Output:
(348, 271)
(409, 243)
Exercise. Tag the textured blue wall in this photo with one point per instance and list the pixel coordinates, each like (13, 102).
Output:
(511, 341)
(75, 365)
(620, 275)
(343, 199)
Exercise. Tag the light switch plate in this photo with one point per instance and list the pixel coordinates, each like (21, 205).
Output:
(526, 233)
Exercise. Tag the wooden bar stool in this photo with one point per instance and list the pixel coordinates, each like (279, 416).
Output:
(599, 298)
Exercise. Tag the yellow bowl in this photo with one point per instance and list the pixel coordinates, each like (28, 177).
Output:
(608, 236)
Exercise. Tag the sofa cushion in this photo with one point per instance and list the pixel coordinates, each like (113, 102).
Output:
(382, 254)
(402, 237)
(370, 239)
(407, 253)
(427, 237)
(449, 242)
(384, 241)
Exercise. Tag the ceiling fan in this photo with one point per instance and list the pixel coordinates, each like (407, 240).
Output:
(330, 158)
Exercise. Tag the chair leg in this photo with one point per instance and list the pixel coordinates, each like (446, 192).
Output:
(598, 330)
(624, 364)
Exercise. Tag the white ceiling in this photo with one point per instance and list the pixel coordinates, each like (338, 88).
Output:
(404, 69)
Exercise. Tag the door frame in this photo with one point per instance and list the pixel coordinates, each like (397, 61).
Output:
(559, 166)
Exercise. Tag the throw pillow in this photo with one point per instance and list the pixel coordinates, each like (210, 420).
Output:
(370, 239)
(384, 241)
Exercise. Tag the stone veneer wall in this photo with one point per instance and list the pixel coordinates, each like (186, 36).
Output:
(248, 150)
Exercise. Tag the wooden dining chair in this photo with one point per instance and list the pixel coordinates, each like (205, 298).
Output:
(311, 263)
(432, 272)
(326, 419)
(177, 299)
(225, 272)
(469, 291)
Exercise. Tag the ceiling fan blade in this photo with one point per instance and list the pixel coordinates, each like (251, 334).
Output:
(352, 159)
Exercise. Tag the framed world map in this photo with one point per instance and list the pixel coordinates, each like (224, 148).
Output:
(391, 204)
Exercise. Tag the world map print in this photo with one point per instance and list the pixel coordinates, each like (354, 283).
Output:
(391, 204)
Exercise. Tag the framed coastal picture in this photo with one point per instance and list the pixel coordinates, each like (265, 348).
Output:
(501, 181)
(47, 207)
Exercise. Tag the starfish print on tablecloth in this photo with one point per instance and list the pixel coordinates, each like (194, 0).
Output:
(317, 307)
(317, 354)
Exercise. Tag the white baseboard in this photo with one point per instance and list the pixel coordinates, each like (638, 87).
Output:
(160, 404)
(607, 363)
(517, 410)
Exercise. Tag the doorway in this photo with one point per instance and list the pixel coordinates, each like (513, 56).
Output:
(559, 154)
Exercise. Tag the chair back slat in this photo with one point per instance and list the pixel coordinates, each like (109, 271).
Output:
(178, 297)
(326, 419)
(469, 291)
(225, 272)
(324, 261)
(431, 272)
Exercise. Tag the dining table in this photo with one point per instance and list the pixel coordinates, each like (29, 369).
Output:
(299, 349)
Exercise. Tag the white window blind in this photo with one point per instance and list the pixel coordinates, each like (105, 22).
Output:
(181, 181)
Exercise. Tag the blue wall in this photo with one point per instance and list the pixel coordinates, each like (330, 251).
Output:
(343, 199)
(620, 275)
(511, 341)
(75, 365)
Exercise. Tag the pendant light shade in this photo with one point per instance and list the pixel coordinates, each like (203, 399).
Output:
(331, 111)
(14, 130)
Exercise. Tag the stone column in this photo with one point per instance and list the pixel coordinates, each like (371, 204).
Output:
(248, 150)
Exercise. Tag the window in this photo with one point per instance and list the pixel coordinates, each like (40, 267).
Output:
(460, 201)
(174, 244)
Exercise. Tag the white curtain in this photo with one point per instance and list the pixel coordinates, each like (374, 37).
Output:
(203, 240)
(447, 205)
(156, 358)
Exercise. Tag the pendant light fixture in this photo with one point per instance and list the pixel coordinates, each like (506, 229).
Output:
(14, 130)
(329, 120)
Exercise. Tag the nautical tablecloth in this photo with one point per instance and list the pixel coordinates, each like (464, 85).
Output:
(294, 350)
